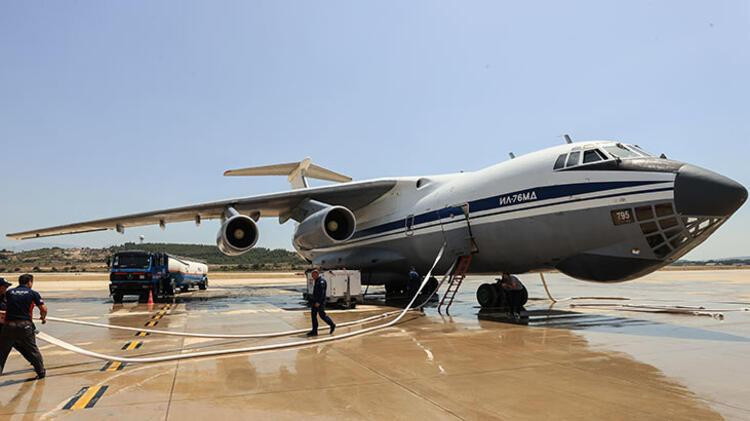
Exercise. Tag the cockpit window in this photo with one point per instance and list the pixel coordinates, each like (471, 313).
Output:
(620, 151)
(573, 159)
(639, 150)
(592, 155)
(560, 161)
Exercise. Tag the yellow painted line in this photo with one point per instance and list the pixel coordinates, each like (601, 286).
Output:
(132, 345)
(89, 397)
(141, 334)
(152, 323)
(157, 317)
(113, 366)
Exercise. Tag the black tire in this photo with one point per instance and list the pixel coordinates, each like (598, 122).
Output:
(502, 296)
(487, 295)
(117, 298)
(395, 289)
(203, 285)
(524, 296)
(184, 288)
(430, 287)
(143, 298)
(167, 289)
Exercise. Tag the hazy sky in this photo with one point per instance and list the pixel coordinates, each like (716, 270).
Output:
(109, 108)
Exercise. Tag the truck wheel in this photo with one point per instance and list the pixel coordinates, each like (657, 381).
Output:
(143, 298)
(117, 298)
(167, 288)
(184, 288)
(203, 285)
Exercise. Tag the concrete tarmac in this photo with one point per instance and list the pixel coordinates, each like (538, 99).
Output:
(558, 361)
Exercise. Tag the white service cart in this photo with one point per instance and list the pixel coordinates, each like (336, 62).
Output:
(344, 287)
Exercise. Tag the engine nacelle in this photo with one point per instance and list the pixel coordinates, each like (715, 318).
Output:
(237, 235)
(324, 228)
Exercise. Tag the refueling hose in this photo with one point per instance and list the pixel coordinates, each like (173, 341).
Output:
(73, 348)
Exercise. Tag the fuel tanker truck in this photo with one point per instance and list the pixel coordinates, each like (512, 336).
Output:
(136, 272)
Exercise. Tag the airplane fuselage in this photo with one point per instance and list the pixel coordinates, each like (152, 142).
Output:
(607, 219)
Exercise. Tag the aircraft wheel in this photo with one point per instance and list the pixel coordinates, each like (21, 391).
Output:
(395, 289)
(524, 297)
(430, 286)
(502, 296)
(487, 295)
(117, 298)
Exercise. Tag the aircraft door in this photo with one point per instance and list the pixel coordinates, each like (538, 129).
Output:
(409, 226)
(456, 227)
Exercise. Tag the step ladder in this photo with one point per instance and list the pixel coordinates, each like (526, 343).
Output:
(455, 281)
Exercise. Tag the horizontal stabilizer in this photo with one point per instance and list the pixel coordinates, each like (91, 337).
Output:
(297, 172)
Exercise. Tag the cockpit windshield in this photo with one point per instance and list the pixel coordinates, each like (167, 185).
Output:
(640, 150)
(581, 156)
(619, 150)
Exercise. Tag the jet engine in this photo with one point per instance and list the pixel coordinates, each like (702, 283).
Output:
(326, 227)
(237, 235)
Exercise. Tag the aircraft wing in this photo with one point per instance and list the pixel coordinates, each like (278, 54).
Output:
(351, 195)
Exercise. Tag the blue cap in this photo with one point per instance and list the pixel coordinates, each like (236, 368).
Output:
(4, 283)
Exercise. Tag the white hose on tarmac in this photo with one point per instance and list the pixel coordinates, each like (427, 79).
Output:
(218, 335)
(73, 348)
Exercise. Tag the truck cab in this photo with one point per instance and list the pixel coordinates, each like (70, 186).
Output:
(141, 273)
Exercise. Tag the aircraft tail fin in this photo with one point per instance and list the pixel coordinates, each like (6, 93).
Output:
(296, 172)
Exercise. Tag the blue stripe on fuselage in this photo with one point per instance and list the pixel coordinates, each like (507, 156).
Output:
(503, 200)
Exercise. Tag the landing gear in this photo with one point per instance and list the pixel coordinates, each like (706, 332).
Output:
(495, 296)
(430, 287)
(395, 289)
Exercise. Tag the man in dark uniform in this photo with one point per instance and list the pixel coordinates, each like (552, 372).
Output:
(18, 330)
(319, 304)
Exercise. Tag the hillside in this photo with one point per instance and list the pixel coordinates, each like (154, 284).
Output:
(58, 259)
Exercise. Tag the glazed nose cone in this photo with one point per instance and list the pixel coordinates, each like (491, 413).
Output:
(700, 192)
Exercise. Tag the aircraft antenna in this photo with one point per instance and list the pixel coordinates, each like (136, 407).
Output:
(567, 139)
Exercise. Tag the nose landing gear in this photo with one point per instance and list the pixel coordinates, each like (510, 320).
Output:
(506, 292)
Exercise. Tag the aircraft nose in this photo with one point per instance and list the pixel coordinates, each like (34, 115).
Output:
(700, 192)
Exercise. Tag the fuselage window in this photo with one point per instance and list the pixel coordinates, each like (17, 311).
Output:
(560, 161)
(592, 156)
(573, 159)
(619, 151)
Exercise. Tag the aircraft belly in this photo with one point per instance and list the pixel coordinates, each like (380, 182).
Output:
(518, 245)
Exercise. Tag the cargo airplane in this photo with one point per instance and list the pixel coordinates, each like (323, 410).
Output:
(600, 211)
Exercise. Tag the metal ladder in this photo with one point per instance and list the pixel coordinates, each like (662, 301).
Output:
(456, 279)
